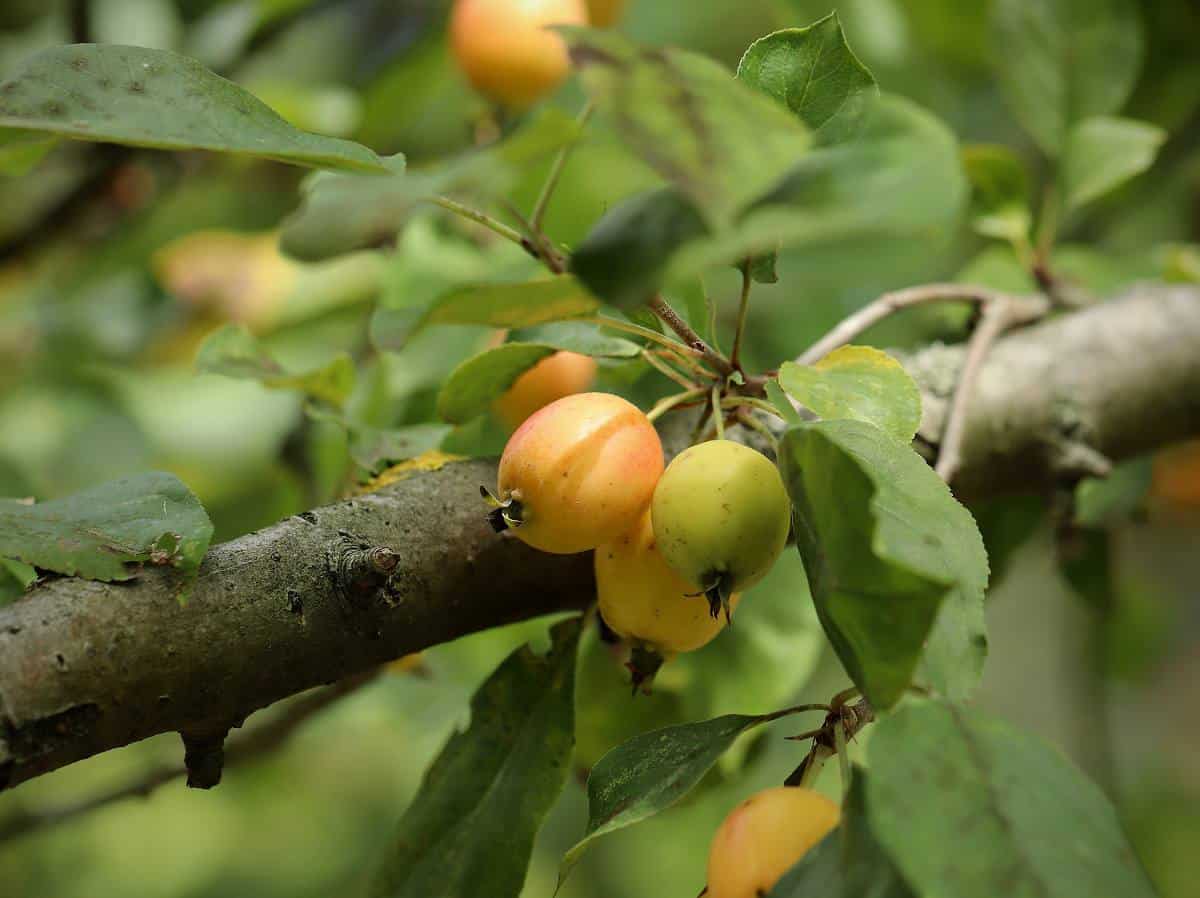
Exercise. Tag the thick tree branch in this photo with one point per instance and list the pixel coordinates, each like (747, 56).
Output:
(86, 667)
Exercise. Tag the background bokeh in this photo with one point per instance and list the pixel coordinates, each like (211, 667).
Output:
(102, 307)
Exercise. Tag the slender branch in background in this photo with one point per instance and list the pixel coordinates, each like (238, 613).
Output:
(671, 319)
(890, 303)
(998, 316)
(743, 308)
(253, 745)
(486, 220)
(556, 170)
(537, 243)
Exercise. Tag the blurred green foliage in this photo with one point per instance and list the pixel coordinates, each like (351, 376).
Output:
(98, 337)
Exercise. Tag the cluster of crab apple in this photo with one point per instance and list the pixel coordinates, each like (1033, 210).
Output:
(586, 472)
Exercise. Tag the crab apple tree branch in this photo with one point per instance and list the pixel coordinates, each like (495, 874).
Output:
(88, 666)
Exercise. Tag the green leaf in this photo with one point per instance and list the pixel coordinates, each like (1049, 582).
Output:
(780, 400)
(718, 141)
(624, 257)
(471, 826)
(651, 772)
(473, 385)
(763, 268)
(1061, 61)
(849, 862)
(15, 578)
(104, 533)
(815, 74)
(370, 211)
(512, 305)
(156, 98)
(901, 178)
(896, 565)
(861, 383)
(967, 806)
(1102, 153)
(233, 351)
(1000, 192)
(21, 151)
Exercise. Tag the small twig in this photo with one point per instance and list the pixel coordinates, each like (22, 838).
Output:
(718, 418)
(671, 318)
(743, 308)
(667, 371)
(842, 724)
(254, 744)
(995, 321)
(542, 249)
(999, 315)
(484, 219)
(890, 303)
(543, 200)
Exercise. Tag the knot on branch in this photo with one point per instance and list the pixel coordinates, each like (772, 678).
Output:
(359, 570)
(204, 757)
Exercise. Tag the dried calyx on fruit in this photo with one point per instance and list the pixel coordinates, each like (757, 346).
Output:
(721, 517)
(577, 473)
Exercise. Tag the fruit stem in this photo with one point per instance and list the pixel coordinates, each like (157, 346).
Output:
(665, 405)
(718, 418)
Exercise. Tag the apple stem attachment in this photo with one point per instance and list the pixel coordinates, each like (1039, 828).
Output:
(505, 514)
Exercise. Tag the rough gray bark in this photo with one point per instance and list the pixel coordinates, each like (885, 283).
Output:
(86, 667)
(1069, 396)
